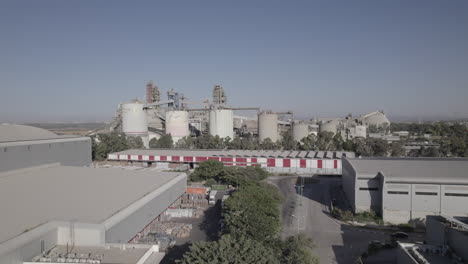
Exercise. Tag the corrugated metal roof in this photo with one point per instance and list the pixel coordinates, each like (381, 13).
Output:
(236, 153)
(34, 196)
(448, 171)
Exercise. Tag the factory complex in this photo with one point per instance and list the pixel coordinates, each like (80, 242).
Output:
(174, 116)
(55, 208)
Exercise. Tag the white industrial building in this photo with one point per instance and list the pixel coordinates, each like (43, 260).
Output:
(402, 189)
(25, 146)
(56, 209)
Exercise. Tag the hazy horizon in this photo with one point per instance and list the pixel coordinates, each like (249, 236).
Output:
(75, 61)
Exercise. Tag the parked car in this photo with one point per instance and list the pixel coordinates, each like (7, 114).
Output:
(401, 235)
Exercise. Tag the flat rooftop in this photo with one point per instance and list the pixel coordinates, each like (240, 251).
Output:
(239, 153)
(419, 170)
(111, 254)
(34, 196)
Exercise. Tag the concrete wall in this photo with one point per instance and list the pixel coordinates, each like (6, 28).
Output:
(23, 154)
(349, 182)
(368, 194)
(454, 200)
(123, 226)
(405, 202)
(28, 245)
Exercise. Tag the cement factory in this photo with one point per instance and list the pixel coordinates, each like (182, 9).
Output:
(155, 117)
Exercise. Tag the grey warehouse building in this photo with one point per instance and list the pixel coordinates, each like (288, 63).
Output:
(50, 198)
(403, 189)
(26, 146)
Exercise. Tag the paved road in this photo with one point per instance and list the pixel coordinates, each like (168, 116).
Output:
(335, 243)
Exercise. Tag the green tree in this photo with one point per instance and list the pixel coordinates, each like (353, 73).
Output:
(208, 169)
(135, 142)
(298, 250)
(229, 250)
(165, 141)
(185, 143)
(108, 143)
(457, 146)
(397, 149)
(287, 141)
(268, 144)
(309, 143)
(254, 212)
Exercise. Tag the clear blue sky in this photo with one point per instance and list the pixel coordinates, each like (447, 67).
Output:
(76, 60)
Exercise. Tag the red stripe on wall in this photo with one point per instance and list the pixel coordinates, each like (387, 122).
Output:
(319, 164)
(175, 158)
(200, 158)
(128, 157)
(286, 163)
(227, 160)
(163, 158)
(118, 156)
(188, 158)
(271, 162)
(140, 157)
(213, 158)
(302, 163)
(151, 157)
(335, 164)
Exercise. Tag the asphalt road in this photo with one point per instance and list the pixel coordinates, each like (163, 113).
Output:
(308, 214)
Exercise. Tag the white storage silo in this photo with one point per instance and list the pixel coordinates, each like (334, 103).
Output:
(267, 126)
(134, 119)
(300, 130)
(221, 123)
(329, 126)
(177, 124)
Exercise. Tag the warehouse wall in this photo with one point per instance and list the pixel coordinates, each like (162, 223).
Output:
(454, 200)
(368, 193)
(124, 225)
(67, 151)
(349, 182)
(404, 202)
(28, 245)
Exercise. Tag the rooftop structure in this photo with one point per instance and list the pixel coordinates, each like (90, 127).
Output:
(26, 146)
(50, 206)
(415, 170)
(14, 133)
(65, 193)
(239, 153)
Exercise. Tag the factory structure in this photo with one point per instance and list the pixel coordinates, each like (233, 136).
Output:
(404, 189)
(309, 162)
(55, 208)
(175, 116)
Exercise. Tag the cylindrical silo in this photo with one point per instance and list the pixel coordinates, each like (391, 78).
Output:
(177, 124)
(267, 126)
(134, 119)
(330, 126)
(221, 123)
(300, 130)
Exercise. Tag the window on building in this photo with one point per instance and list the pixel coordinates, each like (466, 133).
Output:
(426, 193)
(457, 194)
(397, 192)
(369, 189)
